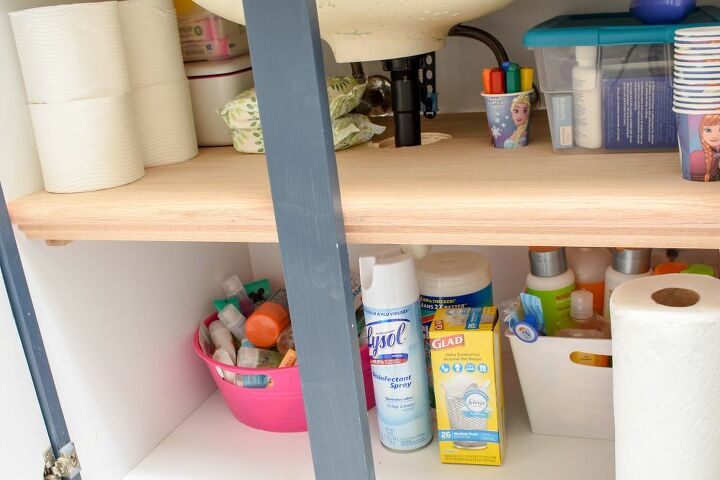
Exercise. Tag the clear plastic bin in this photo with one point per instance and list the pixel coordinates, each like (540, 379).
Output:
(607, 80)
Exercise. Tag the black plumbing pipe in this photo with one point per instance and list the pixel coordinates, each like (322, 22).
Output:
(481, 35)
(405, 87)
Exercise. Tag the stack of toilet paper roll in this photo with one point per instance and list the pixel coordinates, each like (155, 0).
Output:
(666, 376)
(107, 91)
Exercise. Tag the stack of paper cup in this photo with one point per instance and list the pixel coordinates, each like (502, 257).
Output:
(75, 69)
(696, 101)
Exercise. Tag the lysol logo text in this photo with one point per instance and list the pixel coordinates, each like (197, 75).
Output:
(386, 339)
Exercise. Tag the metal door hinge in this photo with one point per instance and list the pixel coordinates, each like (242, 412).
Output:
(66, 466)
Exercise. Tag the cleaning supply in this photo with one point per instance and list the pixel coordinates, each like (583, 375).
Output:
(221, 303)
(233, 287)
(589, 266)
(587, 324)
(286, 340)
(466, 361)
(391, 301)
(700, 269)
(289, 359)
(258, 358)
(233, 320)
(587, 98)
(223, 356)
(670, 267)
(455, 278)
(451, 279)
(266, 324)
(222, 338)
(627, 264)
(552, 282)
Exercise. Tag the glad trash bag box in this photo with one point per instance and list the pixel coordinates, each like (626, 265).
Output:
(466, 365)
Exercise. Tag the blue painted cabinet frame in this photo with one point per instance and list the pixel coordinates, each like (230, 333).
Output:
(288, 68)
(290, 78)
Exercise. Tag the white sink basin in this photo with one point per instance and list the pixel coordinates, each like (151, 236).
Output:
(360, 30)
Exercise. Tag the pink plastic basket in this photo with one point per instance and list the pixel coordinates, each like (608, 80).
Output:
(278, 408)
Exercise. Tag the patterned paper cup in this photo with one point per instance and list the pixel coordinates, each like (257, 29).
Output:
(699, 142)
(508, 118)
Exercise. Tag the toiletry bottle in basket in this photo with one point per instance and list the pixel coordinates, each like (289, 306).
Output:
(233, 287)
(391, 301)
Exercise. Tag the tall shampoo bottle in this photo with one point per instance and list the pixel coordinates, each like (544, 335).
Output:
(391, 301)
(587, 98)
(552, 282)
(627, 264)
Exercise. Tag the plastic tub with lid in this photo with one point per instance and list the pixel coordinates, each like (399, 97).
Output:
(212, 85)
(595, 70)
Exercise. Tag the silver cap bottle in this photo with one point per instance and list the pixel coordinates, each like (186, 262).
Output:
(547, 261)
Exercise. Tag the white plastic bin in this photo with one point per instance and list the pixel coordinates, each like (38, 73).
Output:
(562, 397)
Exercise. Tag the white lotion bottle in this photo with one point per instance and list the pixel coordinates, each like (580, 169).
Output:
(587, 98)
(627, 264)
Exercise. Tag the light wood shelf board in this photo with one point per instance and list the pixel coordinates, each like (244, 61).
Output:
(458, 191)
(210, 443)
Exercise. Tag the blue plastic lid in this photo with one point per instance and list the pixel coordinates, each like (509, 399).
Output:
(611, 29)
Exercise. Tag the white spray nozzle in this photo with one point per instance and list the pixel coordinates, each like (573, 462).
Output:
(234, 286)
(231, 317)
(581, 304)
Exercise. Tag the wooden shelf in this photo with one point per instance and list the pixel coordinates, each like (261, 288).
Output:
(210, 443)
(457, 191)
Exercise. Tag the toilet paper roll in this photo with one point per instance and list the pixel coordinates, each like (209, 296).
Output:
(165, 121)
(87, 145)
(666, 376)
(71, 52)
(152, 42)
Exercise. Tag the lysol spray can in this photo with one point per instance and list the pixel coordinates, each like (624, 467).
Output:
(397, 351)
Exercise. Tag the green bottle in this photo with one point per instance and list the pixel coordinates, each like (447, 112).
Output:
(552, 282)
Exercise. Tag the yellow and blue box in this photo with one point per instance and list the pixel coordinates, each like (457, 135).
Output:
(467, 372)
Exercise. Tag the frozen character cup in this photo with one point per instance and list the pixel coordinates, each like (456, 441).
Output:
(699, 141)
(508, 118)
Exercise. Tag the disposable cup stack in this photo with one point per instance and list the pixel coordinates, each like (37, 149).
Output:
(696, 101)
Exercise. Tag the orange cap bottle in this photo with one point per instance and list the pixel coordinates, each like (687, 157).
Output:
(268, 321)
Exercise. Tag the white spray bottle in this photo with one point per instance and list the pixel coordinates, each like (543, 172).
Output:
(391, 301)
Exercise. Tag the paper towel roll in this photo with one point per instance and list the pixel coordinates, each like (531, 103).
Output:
(165, 121)
(87, 145)
(152, 42)
(666, 376)
(71, 52)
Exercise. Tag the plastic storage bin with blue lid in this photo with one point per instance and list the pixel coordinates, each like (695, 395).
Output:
(607, 80)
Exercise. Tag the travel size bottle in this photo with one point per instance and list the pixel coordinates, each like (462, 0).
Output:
(552, 282)
(589, 266)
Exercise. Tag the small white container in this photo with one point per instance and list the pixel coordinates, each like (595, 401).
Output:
(212, 85)
(562, 397)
